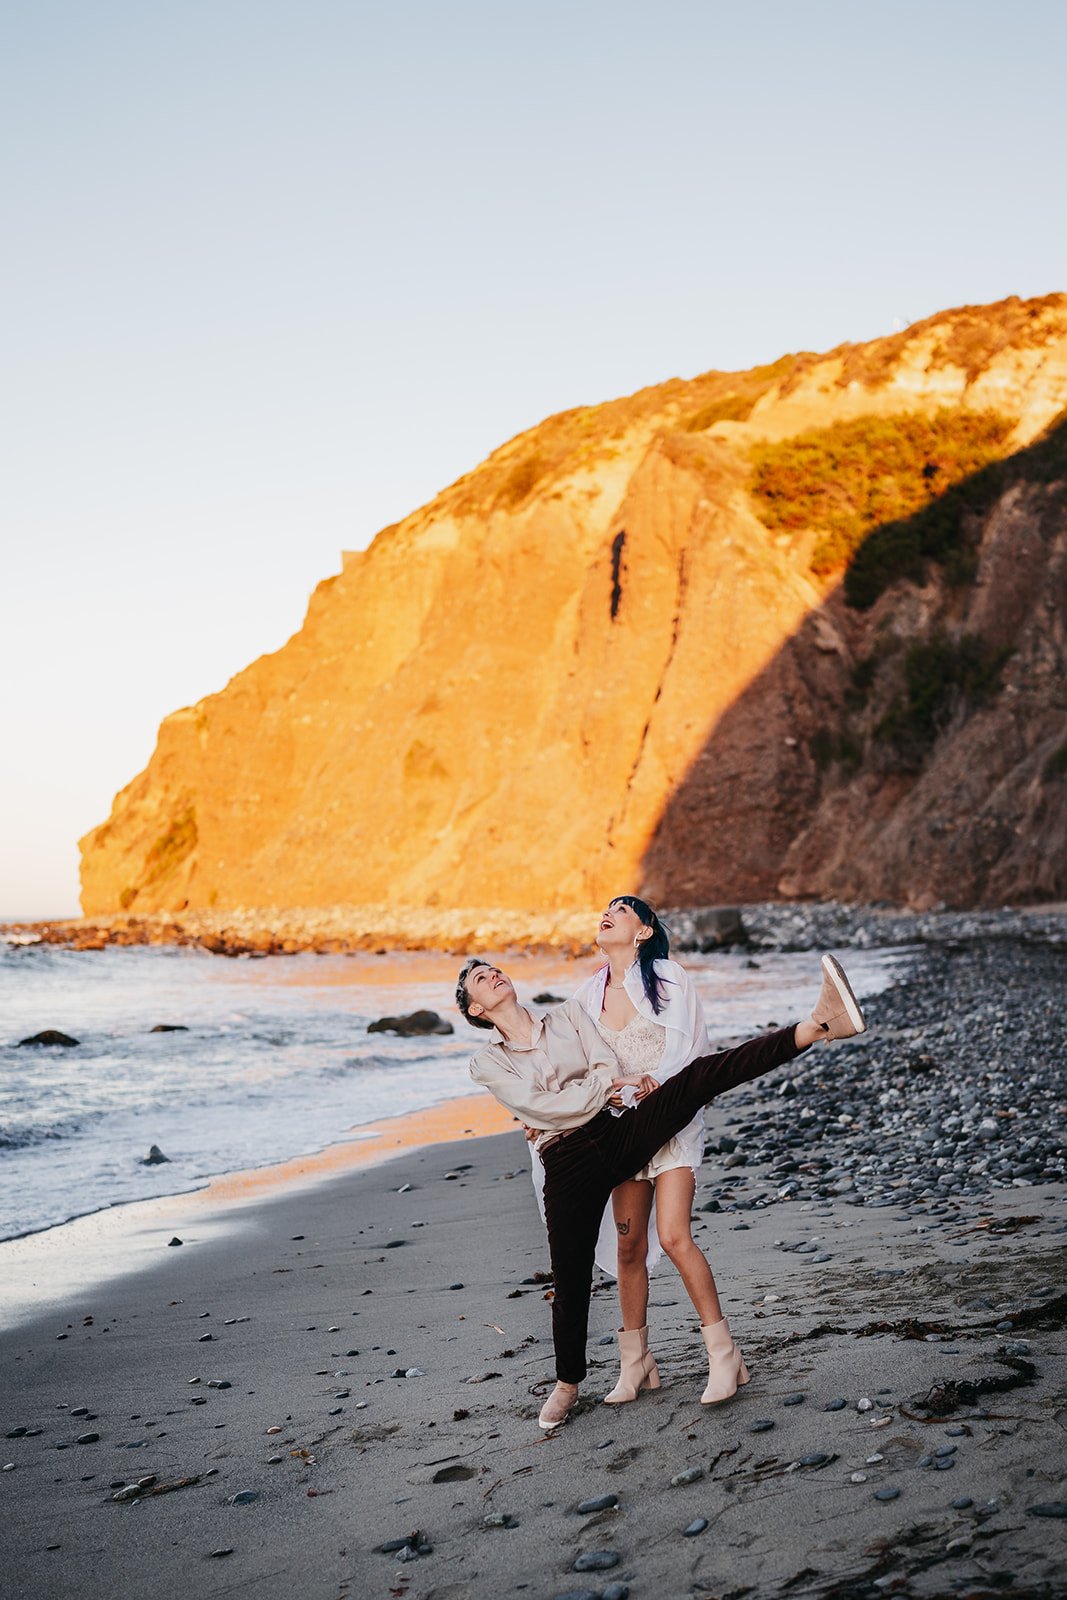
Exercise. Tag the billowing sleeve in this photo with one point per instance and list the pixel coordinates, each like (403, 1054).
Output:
(571, 1106)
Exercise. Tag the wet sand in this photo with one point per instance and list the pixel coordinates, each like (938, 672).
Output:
(312, 1306)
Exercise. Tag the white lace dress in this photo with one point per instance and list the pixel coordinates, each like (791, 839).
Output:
(639, 1047)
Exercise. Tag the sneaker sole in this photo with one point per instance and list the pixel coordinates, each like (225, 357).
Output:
(835, 972)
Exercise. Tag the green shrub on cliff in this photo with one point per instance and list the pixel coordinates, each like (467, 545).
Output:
(850, 479)
(947, 529)
(942, 676)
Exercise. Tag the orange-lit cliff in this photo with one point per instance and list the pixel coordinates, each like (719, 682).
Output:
(621, 655)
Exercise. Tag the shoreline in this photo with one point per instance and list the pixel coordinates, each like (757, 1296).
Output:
(95, 1248)
(259, 932)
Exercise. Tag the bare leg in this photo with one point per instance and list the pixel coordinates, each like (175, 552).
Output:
(631, 1204)
(674, 1204)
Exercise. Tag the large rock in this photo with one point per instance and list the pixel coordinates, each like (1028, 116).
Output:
(594, 665)
(412, 1025)
(50, 1036)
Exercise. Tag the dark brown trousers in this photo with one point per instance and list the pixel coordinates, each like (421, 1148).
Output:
(582, 1169)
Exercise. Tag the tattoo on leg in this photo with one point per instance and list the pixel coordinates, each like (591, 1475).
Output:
(623, 1227)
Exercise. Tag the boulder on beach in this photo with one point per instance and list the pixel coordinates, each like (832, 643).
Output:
(154, 1158)
(715, 927)
(169, 1027)
(50, 1036)
(415, 1023)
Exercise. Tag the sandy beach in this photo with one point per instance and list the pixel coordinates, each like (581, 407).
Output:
(358, 1360)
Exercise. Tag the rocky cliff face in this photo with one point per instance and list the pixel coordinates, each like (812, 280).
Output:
(796, 631)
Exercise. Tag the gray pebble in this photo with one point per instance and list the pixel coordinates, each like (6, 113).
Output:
(597, 1561)
(499, 1519)
(580, 1594)
(963, 1503)
(600, 1502)
(816, 1458)
(273, 1461)
(219, 1383)
(244, 1497)
(889, 1493)
(616, 1591)
(763, 1425)
(609, 1338)
(88, 1438)
(794, 1400)
(835, 1405)
(1048, 1508)
(690, 1475)
(697, 1525)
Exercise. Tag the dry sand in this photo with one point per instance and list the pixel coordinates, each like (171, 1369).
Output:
(308, 1302)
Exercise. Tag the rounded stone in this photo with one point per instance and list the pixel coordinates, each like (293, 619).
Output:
(597, 1561)
(600, 1502)
(835, 1405)
(889, 1493)
(697, 1525)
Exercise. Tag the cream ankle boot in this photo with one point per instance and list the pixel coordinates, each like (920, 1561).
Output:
(558, 1407)
(639, 1370)
(726, 1365)
(837, 1010)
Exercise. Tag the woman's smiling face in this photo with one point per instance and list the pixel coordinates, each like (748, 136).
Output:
(620, 927)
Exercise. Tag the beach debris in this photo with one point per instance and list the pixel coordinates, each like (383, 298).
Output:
(155, 1157)
(953, 1394)
(499, 1519)
(411, 1546)
(50, 1036)
(174, 1241)
(600, 1502)
(688, 1475)
(243, 1497)
(148, 1487)
(169, 1027)
(414, 1024)
(596, 1561)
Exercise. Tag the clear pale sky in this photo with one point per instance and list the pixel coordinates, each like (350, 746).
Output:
(276, 271)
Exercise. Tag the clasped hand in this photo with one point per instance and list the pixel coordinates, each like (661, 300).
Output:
(643, 1086)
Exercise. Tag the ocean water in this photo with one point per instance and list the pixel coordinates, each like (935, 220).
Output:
(277, 1060)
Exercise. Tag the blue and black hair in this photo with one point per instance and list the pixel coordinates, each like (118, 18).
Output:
(656, 947)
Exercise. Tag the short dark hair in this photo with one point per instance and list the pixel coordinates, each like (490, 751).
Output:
(463, 999)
